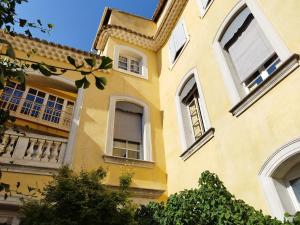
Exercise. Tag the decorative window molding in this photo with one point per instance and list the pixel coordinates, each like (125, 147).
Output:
(177, 42)
(146, 147)
(204, 5)
(239, 79)
(195, 127)
(275, 176)
(130, 61)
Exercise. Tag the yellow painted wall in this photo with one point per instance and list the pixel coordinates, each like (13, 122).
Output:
(241, 145)
(92, 132)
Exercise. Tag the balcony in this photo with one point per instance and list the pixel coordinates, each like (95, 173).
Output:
(32, 150)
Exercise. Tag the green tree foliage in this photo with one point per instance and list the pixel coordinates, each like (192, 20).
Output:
(72, 199)
(209, 204)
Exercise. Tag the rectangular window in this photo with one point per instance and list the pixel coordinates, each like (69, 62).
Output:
(33, 102)
(53, 109)
(195, 114)
(248, 50)
(11, 96)
(128, 130)
(130, 64)
(177, 41)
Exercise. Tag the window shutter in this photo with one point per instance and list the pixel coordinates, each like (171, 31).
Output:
(205, 3)
(128, 122)
(172, 48)
(250, 51)
(179, 36)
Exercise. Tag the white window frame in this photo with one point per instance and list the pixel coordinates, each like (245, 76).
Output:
(202, 106)
(118, 49)
(172, 63)
(202, 9)
(267, 181)
(146, 143)
(292, 194)
(271, 34)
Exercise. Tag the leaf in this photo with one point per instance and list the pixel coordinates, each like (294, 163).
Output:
(100, 82)
(106, 63)
(22, 22)
(85, 73)
(82, 83)
(51, 68)
(18, 184)
(28, 33)
(71, 60)
(91, 61)
(5, 196)
(10, 52)
(44, 70)
(34, 66)
(30, 189)
(39, 22)
(50, 26)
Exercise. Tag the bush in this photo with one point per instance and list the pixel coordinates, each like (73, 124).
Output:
(209, 204)
(83, 199)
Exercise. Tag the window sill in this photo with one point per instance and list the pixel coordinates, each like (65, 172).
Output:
(128, 162)
(283, 71)
(182, 50)
(209, 134)
(131, 73)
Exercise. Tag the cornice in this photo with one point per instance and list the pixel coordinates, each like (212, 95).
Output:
(44, 48)
(152, 43)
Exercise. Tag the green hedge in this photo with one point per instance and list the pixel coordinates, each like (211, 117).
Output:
(209, 204)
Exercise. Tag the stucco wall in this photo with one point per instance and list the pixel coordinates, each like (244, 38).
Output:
(241, 145)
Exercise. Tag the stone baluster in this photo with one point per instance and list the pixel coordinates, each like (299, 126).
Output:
(54, 152)
(4, 143)
(11, 146)
(47, 152)
(39, 151)
(30, 150)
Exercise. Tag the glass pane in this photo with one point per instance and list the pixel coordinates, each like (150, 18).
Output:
(133, 146)
(133, 155)
(119, 144)
(32, 91)
(296, 188)
(119, 152)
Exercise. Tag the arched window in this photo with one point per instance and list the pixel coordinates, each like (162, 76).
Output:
(195, 128)
(280, 178)
(130, 61)
(250, 54)
(129, 129)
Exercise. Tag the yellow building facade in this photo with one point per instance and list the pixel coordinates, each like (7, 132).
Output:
(203, 85)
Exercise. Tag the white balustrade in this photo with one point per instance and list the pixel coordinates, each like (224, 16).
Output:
(32, 149)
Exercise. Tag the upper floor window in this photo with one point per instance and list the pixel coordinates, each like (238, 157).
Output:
(177, 41)
(129, 129)
(248, 50)
(192, 114)
(130, 61)
(36, 105)
(204, 5)
(250, 53)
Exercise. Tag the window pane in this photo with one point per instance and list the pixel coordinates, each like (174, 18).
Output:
(123, 63)
(133, 154)
(296, 188)
(135, 66)
(119, 144)
(119, 152)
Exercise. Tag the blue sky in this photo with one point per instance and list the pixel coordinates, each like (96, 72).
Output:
(76, 21)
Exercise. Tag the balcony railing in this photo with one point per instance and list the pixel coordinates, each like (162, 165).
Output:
(35, 112)
(32, 150)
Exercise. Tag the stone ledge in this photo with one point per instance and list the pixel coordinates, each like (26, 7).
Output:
(283, 71)
(141, 192)
(129, 162)
(209, 134)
